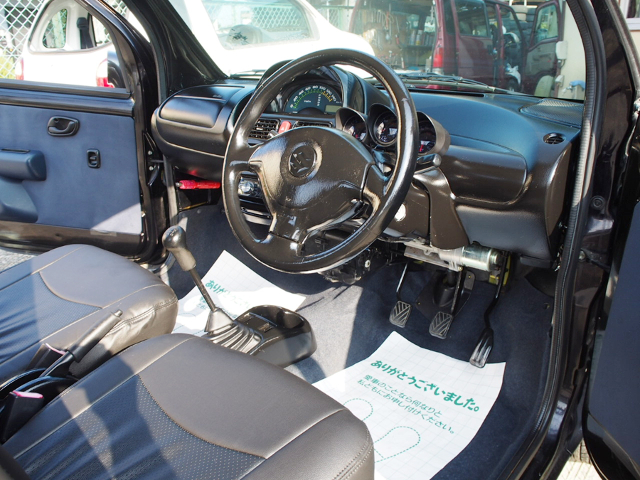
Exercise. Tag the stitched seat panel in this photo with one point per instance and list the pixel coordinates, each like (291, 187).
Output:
(126, 434)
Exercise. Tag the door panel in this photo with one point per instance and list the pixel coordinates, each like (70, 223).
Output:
(612, 423)
(99, 185)
(74, 194)
(475, 47)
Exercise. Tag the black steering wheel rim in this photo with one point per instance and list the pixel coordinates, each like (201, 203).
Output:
(385, 194)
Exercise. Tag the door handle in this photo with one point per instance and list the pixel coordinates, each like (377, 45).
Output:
(62, 126)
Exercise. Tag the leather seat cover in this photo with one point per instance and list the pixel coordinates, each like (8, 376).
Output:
(178, 406)
(56, 297)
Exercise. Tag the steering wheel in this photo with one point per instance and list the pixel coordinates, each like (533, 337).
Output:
(314, 177)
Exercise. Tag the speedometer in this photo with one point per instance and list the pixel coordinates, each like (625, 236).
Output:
(317, 97)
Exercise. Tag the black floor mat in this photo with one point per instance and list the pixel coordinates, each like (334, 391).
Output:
(351, 322)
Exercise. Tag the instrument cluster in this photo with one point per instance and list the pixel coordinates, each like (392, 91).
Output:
(380, 128)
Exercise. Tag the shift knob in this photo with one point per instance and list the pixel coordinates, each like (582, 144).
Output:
(175, 240)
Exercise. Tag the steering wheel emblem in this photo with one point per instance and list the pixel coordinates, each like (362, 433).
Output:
(302, 161)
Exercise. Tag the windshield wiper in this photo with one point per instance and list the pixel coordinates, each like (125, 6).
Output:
(249, 73)
(428, 78)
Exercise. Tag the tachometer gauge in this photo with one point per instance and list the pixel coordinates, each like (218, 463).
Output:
(385, 128)
(318, 97)
(356, 127)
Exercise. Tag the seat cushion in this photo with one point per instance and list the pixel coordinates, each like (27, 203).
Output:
(178, 406)
(56, 297)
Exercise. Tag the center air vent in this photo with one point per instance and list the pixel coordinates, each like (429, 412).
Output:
(304, 123)
(553, 138)
(263, 127)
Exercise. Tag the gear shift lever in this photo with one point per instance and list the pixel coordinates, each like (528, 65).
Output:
(175, 240)
(274, 334)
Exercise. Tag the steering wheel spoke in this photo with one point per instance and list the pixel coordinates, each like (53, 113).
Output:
(288, 226)
(375, 187)
(286, 249)
(239, 159)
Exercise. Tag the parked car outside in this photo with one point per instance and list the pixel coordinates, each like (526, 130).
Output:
(67, 45)
(482, 40)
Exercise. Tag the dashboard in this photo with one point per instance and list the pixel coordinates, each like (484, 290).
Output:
(503, 160)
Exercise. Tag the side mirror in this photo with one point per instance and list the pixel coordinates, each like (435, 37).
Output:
(562, 48)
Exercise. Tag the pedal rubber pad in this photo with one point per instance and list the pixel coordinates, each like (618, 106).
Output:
(483, 349)
(400, 314)
(440, 324)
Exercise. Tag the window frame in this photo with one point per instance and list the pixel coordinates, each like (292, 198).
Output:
(67, 88)
(632, 23)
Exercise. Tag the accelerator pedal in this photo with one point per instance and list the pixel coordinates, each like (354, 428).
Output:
(483, 349)
(400, 314)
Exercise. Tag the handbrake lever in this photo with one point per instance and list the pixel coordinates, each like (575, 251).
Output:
(60, 368)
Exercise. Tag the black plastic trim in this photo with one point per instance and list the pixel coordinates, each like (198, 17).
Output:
(67, 101)
(66, 89)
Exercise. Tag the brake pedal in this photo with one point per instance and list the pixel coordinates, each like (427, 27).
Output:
(440, 324)
(400, 314)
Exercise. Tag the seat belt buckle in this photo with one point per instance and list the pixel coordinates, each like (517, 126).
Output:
(18, 409)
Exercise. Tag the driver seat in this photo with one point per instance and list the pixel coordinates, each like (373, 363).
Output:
(180, 407)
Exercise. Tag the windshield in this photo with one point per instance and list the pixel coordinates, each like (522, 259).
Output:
(530, 47)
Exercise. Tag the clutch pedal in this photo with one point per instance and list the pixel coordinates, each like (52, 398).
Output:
(400, 314)
(401, 310)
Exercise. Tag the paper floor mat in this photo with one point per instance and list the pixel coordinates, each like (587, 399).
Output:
(421, 407)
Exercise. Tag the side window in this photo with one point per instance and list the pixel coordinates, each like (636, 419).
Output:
(546, 24)
(100, 34)
(61, 43)
(448, 18)
(55, 33)
(472, 18)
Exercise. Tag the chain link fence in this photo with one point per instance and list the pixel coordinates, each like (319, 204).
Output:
(16, 19)
(338, 15)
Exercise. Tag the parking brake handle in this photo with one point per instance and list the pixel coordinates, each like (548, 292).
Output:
(75, 353)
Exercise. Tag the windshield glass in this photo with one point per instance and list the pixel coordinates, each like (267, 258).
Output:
(529, 47)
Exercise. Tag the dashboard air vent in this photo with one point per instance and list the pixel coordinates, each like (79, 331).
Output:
(553, 138)
(262, 128)
(304, 123)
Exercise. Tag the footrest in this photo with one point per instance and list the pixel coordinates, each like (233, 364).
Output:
(400, 314)
(440, 324)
